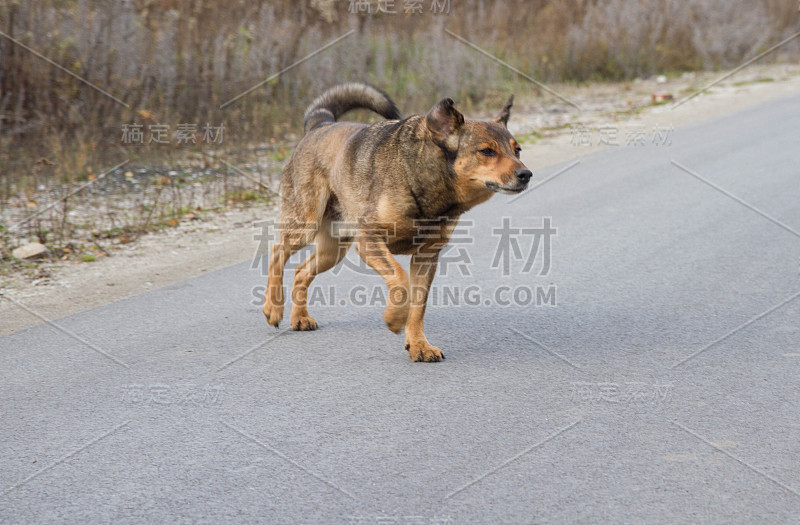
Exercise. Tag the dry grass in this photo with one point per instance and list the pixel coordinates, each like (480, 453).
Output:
(176, 62)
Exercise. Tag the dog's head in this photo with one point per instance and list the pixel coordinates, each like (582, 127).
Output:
(484, 155)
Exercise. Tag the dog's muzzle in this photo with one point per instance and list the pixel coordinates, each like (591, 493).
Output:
(523, 177)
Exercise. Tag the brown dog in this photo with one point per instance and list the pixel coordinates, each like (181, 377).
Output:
(384, 181)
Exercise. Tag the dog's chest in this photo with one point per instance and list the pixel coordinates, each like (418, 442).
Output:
(412, 235)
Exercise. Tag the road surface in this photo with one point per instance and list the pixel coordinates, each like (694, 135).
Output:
(654, 378)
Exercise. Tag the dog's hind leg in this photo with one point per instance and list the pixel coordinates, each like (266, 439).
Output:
(373, 249)
(292, 239)
(328, 251)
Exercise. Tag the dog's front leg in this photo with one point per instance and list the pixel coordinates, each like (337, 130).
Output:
(372, 248)
(423, 269)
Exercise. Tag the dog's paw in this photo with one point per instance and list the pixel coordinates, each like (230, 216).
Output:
(303, 324)
(424, 352)
(396, 312)
(274, 314)
(395, 318)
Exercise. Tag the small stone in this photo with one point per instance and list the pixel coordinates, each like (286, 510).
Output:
(659, 98)
(30, 251)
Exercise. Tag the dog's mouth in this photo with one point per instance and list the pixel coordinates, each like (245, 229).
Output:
(513, 190)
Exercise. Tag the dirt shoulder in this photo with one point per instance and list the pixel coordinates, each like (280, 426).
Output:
(192, 248)
(554, 131)
(563, 133)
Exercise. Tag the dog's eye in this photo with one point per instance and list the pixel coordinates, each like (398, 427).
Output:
(517, 151)
(488, 152)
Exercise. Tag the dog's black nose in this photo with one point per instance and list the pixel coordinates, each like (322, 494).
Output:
(524, 176)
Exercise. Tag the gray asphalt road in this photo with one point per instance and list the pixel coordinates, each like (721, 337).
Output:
(662, 387)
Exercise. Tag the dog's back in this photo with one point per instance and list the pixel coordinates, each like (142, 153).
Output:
(306, 184)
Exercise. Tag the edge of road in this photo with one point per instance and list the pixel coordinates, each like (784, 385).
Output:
(164, 259)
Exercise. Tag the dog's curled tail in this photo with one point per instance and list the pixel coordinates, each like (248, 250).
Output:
(340, 99)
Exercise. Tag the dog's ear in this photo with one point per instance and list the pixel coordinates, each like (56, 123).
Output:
(502, 118)
(444, 121)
